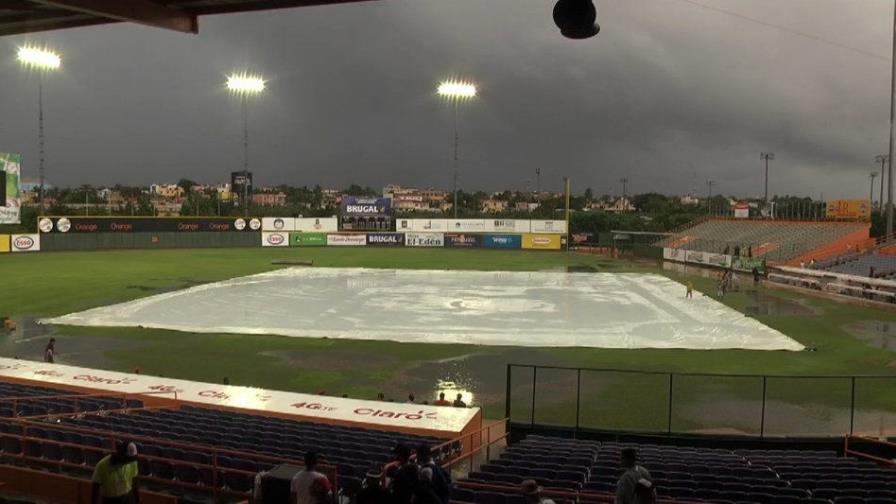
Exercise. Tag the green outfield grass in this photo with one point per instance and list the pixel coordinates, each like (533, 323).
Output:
(37, 285)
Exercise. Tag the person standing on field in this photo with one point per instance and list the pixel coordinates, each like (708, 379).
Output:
(50, 351)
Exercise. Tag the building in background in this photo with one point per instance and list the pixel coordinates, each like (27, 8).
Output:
(410, 199)
(270, 199)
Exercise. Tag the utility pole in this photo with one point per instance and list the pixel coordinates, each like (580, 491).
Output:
(566, 185)
(766, 156)
(883, 159)
(892, 113)
(709, 184)
(538, 180)
(871, 190)
(624, 181)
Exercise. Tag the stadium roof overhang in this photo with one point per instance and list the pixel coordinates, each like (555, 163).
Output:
(25, 16)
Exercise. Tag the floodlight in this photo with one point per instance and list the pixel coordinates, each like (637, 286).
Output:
(245, 84)
(41, 59)
(457, 90)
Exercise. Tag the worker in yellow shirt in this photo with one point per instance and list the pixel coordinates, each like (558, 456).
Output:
(114, 477)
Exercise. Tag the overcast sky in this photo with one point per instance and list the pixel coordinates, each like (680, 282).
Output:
(669, 94)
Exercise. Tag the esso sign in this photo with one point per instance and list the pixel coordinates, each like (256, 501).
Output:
(23, 242)
(276, 239)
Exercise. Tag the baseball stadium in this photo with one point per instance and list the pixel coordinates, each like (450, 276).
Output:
(744, 356)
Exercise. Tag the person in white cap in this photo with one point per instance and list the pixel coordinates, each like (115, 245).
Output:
(115, 476)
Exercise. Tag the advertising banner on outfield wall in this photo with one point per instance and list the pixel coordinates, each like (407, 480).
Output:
(145, 224)
(708, 258)
(541, 241)
(422, 225)
(321, 224)
(424, 239)
(673, 254)
(504, 241)
(548, 226)
(272, 239)
(25, 242)
(468, 225)
(346, 240)
(748, 263)
(4, 243)
(385, 239)
(510, 226)
(307, 239)
(10, 198)
(278, 224)
(463, 240)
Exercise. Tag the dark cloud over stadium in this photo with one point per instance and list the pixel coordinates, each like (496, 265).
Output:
(670, 94)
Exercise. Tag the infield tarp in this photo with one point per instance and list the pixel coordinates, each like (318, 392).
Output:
(539, 309)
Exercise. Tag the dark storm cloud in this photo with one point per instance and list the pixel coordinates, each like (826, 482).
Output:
(669, 94)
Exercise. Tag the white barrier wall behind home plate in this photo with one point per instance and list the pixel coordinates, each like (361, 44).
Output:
(411, 418)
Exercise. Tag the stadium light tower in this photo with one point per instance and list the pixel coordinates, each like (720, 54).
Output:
(245, 85)
(41, 60)
(456, 91)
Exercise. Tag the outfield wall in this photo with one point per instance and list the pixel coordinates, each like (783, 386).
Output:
(102, 241)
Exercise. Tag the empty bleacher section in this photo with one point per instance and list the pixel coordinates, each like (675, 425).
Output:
(870, 265)
(588, 471)
(778, 241)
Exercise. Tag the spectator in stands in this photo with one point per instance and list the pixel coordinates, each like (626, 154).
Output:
(727, 249)
(381, 396)
(441, 401)
(750, 251)
(411, 399)
(309, 486)
(50, 351)
(532, 493)
(114, 477)
(627, 488)
(433, 476)
(372, 491)
(690, 292)
(459, 401)
(404, 476)
(737, 250)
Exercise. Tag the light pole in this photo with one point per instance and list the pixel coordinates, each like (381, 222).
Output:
(244, 85)
(709, 184)
(40, 60)
(766, 156)
(883, 159)
(892, 113)
(872, 176)
(624, 181)
(456, 91)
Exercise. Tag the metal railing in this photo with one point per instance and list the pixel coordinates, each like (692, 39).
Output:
(467, 446)
(699, 403)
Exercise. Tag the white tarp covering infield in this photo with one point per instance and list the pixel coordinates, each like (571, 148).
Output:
(539, 309)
